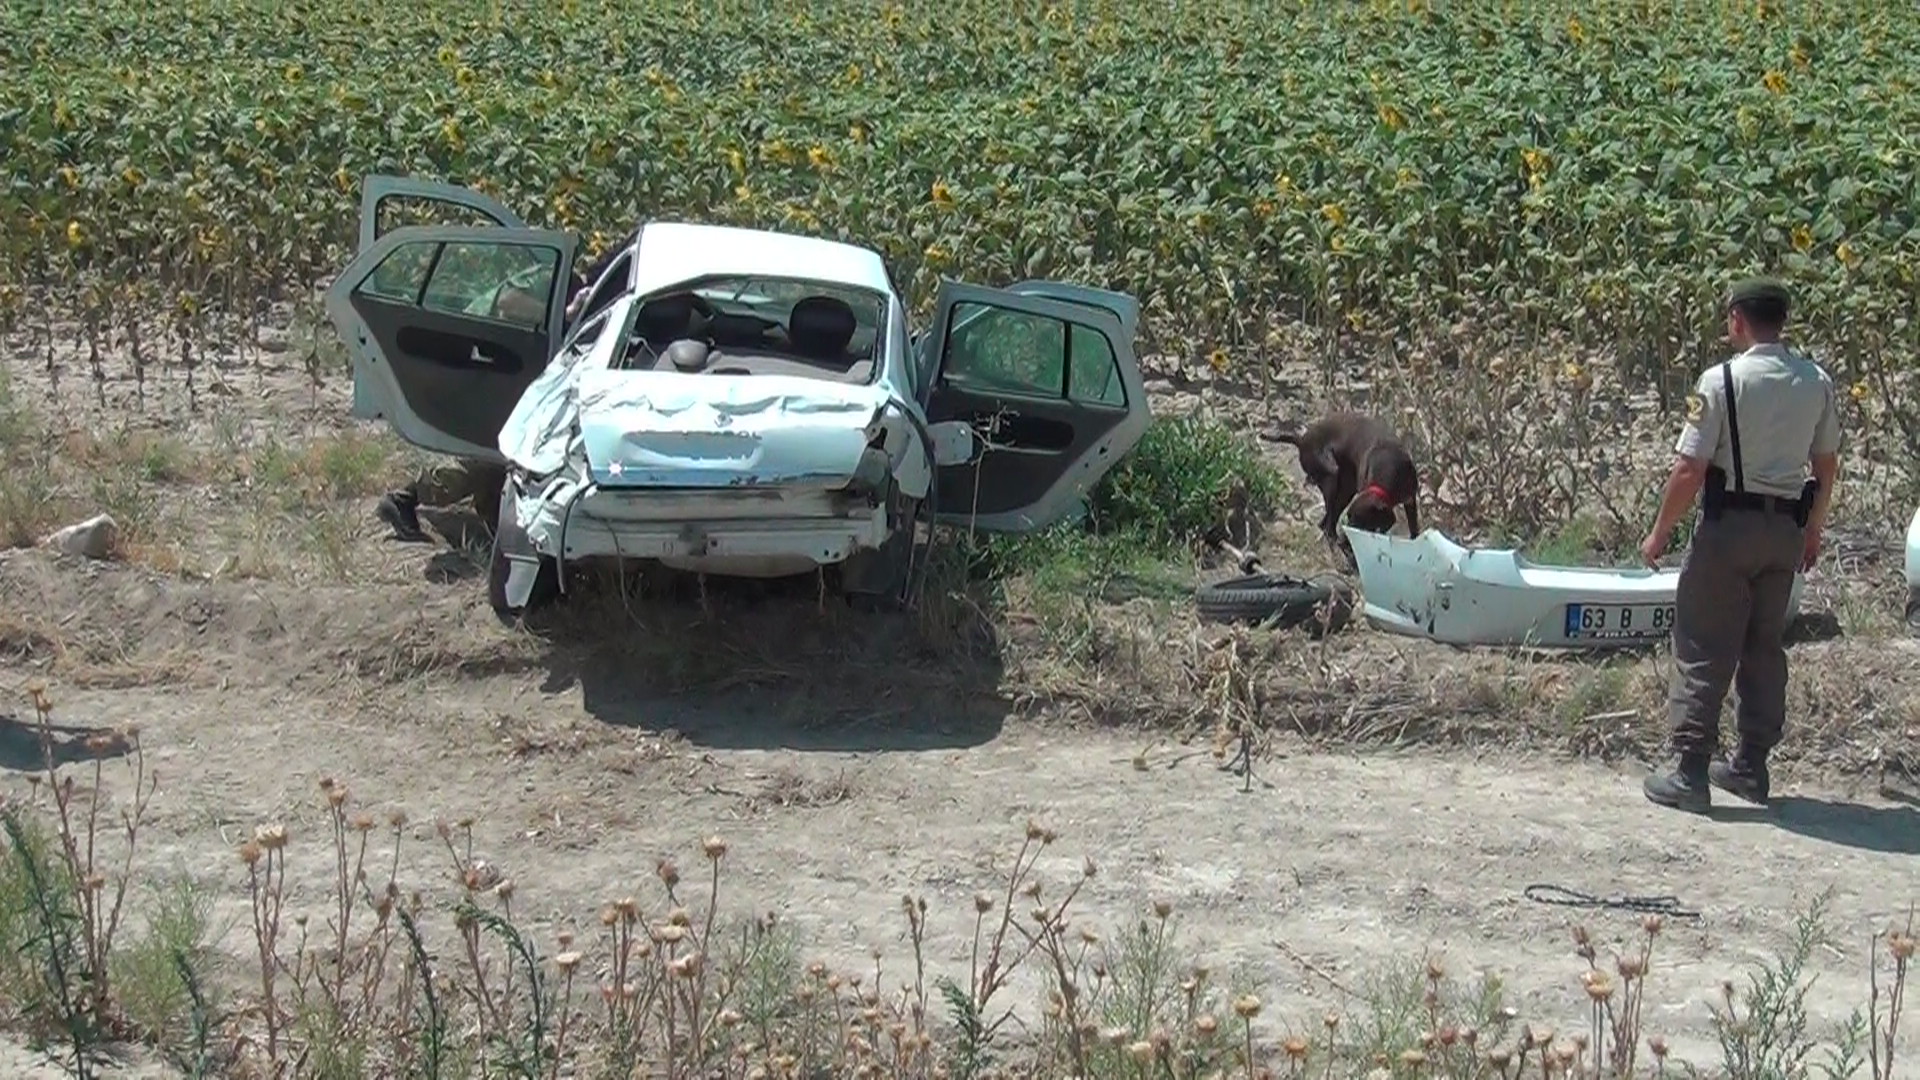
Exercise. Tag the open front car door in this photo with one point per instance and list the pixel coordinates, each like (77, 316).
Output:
(448, 325)
(380, 193)
(1046, 376)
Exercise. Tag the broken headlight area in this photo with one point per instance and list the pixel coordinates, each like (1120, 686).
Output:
(873, 476)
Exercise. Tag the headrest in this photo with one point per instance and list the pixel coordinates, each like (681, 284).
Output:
(821, 326)
(688, 354)
(668, 316)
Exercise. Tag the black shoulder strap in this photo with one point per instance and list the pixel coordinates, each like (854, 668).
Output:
(1733, 426)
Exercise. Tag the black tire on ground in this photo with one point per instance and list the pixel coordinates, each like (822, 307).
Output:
(1913, 613)
(546, 581)
(1284, 600)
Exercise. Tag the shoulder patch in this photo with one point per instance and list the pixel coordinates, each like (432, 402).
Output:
(1696, 408)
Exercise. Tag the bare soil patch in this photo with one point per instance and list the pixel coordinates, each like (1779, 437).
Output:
(263, 634)
(1325, 868)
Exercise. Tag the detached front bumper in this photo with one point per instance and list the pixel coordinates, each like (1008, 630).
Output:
(1434, 588)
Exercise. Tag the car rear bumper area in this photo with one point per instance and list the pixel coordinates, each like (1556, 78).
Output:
(739, 531)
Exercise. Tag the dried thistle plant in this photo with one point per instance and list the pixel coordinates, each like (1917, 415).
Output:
(367, 976)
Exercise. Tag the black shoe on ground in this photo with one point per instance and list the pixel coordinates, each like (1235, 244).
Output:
(397, 509)
(1685, 788)
(1739, 777)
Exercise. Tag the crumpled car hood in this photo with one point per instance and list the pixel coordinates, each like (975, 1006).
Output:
(667, 429)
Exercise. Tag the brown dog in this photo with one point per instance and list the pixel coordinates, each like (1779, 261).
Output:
(1362, 470)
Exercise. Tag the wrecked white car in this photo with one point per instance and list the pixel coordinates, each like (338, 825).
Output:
(729, 401)
(1430, 587)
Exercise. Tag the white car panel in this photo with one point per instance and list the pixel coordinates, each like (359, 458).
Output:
(1913, 571)
(781, 532)
(669, 429)
(1431, 587)
(676, 252)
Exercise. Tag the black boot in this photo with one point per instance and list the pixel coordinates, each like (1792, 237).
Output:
(1744, 774)
(1685, 788)
(399, 510)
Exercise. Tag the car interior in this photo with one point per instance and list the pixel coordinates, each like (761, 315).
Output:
(820, 337)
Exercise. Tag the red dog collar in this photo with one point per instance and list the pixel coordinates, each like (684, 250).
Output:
(1380, 493)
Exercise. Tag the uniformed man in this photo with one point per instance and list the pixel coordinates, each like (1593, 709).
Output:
(1756, 425)
(443, 484)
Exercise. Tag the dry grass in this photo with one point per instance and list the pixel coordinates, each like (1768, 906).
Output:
(1851, 703)
(230, 487)
(1007, 644)
(264, 516)
(373, 975)
(247, 553)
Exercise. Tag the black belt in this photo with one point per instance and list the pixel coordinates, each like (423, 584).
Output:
(1753, 500)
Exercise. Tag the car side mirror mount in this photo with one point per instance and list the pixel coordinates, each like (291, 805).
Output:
(953, 442)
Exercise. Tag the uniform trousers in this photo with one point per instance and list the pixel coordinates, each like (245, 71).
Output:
(1729, 627)
(446, 483)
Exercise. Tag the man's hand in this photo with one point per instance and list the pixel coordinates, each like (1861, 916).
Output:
(1654, 546)
(1683, 484)
(1826, 473)
(1810, 550)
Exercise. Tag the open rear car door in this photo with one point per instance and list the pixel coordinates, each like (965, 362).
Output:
(448, 325)
(1046, 375)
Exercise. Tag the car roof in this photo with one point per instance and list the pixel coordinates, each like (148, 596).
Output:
(676, 251)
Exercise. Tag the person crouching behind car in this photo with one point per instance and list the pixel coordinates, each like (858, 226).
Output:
(445, 484)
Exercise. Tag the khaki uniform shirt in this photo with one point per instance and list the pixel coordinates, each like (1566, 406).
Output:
(1786, 413)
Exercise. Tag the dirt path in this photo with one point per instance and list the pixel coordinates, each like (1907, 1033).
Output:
(847, 787)
(1350, 863)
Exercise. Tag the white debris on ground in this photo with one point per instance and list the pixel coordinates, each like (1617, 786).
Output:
(95, 538)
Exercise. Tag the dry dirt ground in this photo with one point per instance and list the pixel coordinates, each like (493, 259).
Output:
(258, 652)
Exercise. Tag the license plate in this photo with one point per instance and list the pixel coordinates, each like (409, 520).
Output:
(1614, 621)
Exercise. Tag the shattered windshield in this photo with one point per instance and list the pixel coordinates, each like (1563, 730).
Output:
(749, 325)
(778, 296)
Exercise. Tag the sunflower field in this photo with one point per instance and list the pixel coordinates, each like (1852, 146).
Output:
(1594, 170)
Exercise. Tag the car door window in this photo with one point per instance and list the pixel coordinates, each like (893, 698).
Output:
(391, 202)
(402, 276)
(1014, 352)
(1093, 371)
(506, 283)
(399, 210)
(1006, 351)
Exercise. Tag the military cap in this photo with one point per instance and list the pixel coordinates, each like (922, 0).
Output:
(1759, 288)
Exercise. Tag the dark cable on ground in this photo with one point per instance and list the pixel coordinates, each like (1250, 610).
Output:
(1565, 897)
